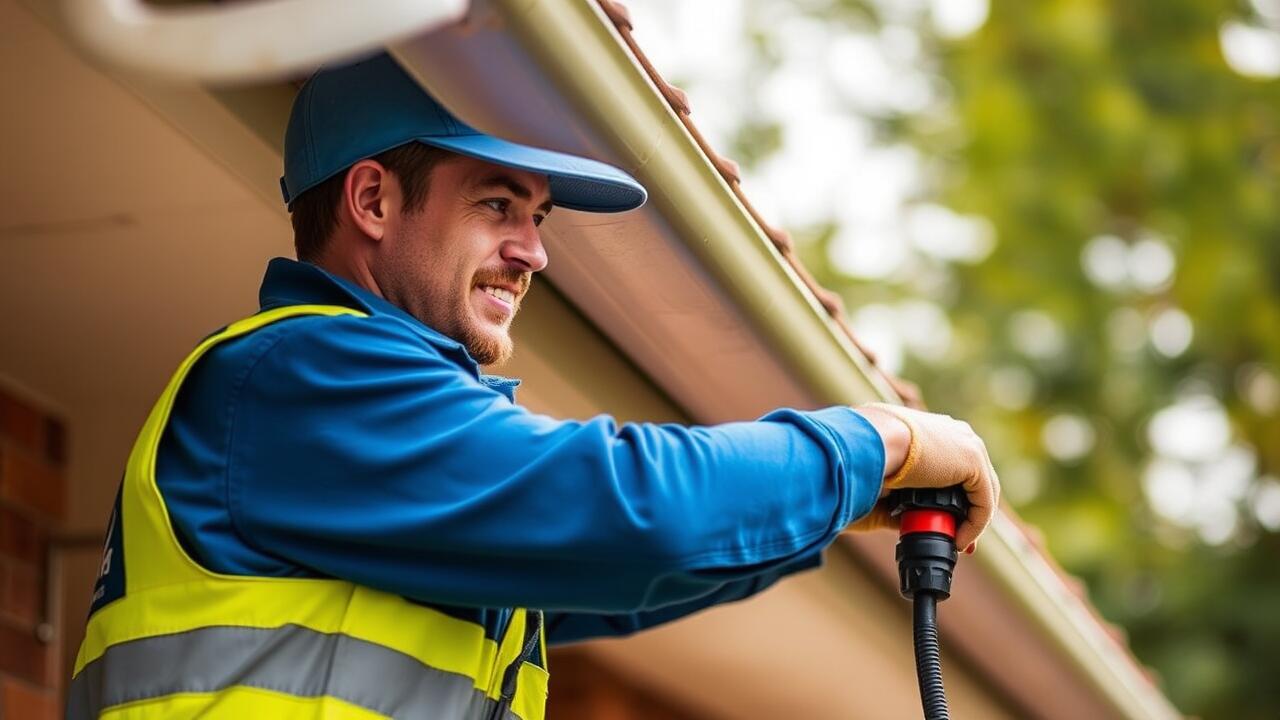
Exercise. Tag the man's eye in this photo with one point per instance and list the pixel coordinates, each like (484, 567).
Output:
(498, 204)
(537, 220)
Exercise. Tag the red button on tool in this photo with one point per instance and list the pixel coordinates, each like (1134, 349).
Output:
(915, 521)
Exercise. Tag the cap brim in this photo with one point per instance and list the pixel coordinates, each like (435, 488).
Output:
(577, 183)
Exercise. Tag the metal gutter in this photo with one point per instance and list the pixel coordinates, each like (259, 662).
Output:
(577, 46)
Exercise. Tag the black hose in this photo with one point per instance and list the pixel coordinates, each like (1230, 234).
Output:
(929, 657)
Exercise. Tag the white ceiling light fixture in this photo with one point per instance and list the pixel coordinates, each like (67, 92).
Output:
(250, 41)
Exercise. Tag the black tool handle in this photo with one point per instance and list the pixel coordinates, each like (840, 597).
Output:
(926, 555)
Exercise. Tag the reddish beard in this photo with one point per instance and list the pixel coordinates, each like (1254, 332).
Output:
(503, 277)
(486, 345)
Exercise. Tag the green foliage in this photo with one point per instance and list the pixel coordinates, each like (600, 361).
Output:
(1066, 120)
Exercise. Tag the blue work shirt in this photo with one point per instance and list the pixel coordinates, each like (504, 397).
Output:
(374, 450)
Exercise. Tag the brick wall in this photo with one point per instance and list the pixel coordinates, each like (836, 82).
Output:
(32, 505)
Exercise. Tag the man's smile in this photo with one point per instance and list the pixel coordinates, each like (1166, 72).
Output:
(500, 298)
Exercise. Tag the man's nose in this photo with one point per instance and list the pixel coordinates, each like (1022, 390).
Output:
(524, 248)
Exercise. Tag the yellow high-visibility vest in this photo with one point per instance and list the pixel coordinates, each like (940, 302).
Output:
(181, 641)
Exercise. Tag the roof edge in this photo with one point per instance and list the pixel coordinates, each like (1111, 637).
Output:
(587, 49)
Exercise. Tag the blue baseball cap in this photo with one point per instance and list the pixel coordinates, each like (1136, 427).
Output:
(345, 114)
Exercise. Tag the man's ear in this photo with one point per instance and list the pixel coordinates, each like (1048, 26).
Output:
(369, 194)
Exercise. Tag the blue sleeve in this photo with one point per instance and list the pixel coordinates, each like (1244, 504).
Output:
(360, 451)
(567, 627)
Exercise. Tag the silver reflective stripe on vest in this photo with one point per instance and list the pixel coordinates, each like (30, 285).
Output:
(291, 659)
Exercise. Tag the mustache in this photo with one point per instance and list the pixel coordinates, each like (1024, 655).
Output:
(504, 276)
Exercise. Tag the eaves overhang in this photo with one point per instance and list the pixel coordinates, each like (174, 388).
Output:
(702, 297)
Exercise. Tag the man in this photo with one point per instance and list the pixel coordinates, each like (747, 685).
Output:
(332, 512)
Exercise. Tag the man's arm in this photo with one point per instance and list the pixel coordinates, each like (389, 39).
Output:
(567, 627)
(359, 454)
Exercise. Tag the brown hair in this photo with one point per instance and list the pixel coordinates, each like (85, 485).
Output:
(314, 213)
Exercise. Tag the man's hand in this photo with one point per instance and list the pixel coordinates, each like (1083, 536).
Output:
(932, 450)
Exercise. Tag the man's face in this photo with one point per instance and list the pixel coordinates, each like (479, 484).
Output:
(463, 262)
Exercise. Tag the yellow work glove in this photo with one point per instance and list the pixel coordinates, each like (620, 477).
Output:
(943, 452)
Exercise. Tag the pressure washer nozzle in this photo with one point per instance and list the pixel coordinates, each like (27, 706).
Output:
(926, 557)
(926, 550)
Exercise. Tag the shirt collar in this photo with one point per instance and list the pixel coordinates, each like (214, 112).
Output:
(289, 282)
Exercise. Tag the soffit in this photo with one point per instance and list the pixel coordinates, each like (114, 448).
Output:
(122, 242)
